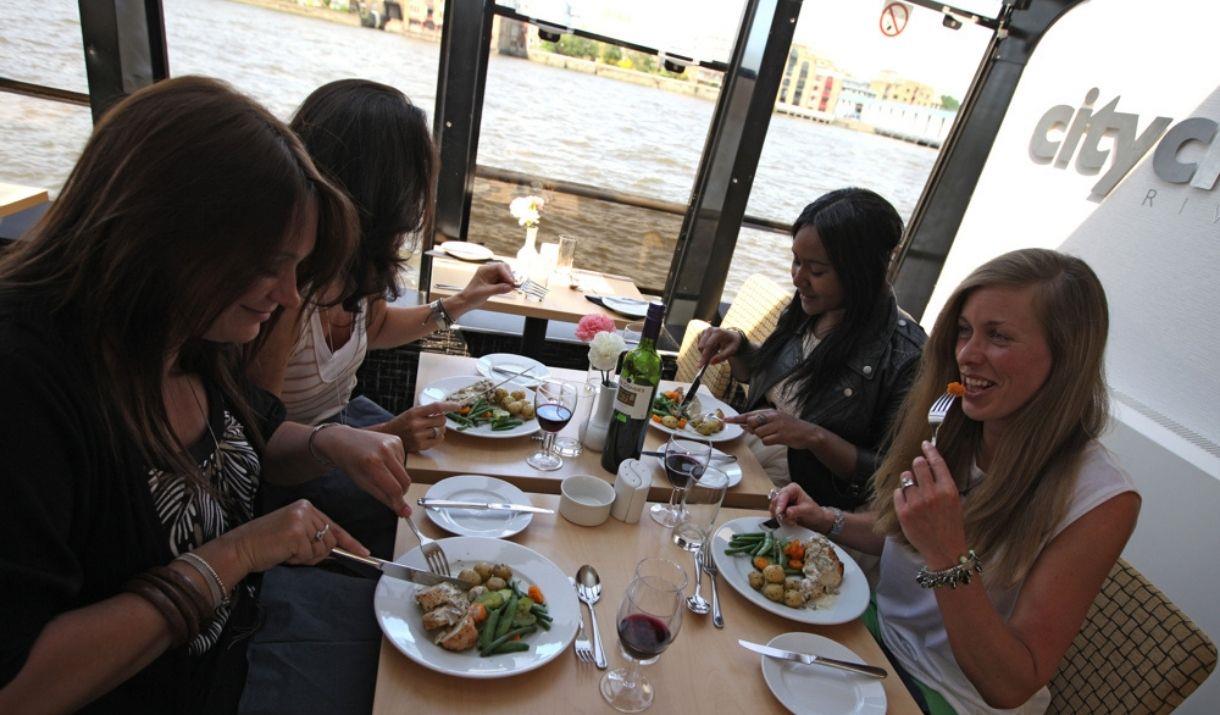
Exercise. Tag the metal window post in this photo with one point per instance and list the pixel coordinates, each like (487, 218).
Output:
(939, 212)
(734, 143)
(124, 48)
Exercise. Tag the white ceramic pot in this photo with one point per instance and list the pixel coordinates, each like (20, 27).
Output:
(594, 435)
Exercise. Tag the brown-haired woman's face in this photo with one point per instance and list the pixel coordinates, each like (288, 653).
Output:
(241, 321)
(1002, 353)
(814, 277)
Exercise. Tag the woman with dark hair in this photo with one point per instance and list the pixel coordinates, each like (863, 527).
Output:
(375, 144)
(995, 541)
(827, 383)
(133, 444)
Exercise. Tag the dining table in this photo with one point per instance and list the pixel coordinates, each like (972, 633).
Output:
(703, 670)
(564, 301)
(505, 459)
(15, 198)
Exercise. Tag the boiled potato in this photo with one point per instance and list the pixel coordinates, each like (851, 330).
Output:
(503, 571)
(774, 591)
(794, 598)
(495, 583)
(670, 421)
(484, 569)
(518, 394)
(792, 582)
(756, 580)
(471, 577)
(514, 407)
(774, 574)
(501, 393)
(527, 411)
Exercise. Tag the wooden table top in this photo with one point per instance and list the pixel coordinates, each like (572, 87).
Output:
(14, 198)
(704, 671)
(561, 303)
(505, 458)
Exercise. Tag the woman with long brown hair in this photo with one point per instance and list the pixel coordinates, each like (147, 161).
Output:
(133, 444)
(1017, 489)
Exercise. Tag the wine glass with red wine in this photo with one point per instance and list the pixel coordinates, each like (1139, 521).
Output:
(649, 619)
(684, 461)
(554, 405)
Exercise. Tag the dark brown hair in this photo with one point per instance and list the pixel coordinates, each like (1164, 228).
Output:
(375, 144)
(183, 193)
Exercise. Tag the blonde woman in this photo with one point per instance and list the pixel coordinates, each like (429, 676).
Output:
(1017, 493)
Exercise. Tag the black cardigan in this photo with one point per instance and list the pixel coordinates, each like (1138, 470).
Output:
(76, 514)
(859, 404)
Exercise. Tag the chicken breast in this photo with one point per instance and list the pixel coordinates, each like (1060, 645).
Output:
(463, 636)
(439, 595)
(443, 616)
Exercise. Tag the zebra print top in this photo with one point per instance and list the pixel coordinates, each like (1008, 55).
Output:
(192, 515)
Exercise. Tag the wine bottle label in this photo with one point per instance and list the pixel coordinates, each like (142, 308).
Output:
(632, 400)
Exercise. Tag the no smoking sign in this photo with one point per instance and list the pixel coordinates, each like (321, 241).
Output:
(894, 18)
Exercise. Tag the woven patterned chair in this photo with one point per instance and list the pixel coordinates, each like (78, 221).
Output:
(387, 377)
(755, 311)
(1137, 653)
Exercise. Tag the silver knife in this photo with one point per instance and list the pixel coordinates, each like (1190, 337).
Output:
(406, 573)
(694, 387)
(452, 504)
(807, 659)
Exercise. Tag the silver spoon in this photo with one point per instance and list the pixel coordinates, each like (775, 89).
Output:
(589, 590)
(696, 603)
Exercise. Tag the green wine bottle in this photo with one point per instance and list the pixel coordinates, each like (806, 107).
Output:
(637, 386)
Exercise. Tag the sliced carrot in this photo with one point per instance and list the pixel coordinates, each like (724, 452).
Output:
(535, 595)
(478, 612)
(464, 410)
(681, 423)
(761, 562)
(796, 563)
(656, 418)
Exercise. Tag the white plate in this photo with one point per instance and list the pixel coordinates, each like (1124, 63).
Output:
(400, 618)
(512, 363)
(631, 307)
(466, 251)
(478, 522)
(707, 403)
(815, 689)
(442, 388)
(732, 470)
(848, 605)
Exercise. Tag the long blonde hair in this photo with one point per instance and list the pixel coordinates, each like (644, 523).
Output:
(1011, 514)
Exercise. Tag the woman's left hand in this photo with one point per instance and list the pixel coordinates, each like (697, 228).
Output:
(375, 461)
(492, 278)
(774, 427)
(930, 510)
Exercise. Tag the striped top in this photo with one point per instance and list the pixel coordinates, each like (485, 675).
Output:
(317, 382)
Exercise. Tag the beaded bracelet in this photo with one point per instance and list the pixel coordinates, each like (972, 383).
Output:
(220, 594)
(954, 576)
(836, 526)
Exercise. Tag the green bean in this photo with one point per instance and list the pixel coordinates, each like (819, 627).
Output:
(511, 610)
(489, 628)
(764, 546)
(505, 425)
(793, 572)
(523, 630)
(510, 647)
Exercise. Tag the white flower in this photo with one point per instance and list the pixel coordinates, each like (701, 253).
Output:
(604, 351)
(526, 209)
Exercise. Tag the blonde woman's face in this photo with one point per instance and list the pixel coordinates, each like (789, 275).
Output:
(1002, 353)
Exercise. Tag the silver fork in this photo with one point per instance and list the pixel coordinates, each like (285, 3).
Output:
(581, 646)
(710, 568)
(938, 413)
(532, 289)
(433, 553)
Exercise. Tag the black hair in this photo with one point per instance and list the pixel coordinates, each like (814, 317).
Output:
(859, 230)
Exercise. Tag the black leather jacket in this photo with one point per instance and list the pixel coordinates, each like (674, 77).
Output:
(858, 405)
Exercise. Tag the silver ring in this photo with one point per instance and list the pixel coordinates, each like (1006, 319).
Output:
(321, 532)
(761, 419)
(436, 432)
(772, 494)
(906, 482)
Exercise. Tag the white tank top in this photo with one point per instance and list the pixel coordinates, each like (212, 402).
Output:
(910, 620)
(318, 383)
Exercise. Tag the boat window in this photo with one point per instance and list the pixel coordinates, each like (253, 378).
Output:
(855, 107)
(613, 150)
(42, 44)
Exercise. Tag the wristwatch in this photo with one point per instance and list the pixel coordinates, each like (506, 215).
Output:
(438, 316)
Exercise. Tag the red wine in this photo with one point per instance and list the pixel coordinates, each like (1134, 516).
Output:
(643, 636)
(681, 468)
(637, 386)
(552, 417)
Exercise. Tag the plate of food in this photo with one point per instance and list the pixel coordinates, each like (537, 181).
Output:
(815, 690)
(478, 522)
(466, 251)
(703, 418)
(501, 366)
(487, 411)
(519, 613)
(790, 571)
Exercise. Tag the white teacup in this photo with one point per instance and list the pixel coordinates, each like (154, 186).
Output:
(585, 500)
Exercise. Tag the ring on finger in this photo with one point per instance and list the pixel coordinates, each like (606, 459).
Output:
(906, 481)
(321, 532)
(760, 420)
(436, 432)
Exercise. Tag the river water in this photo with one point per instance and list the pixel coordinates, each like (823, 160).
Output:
(537, 119)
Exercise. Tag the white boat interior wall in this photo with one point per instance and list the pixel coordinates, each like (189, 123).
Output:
(1156, 247)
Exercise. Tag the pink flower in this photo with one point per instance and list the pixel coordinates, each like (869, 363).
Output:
(591, 325)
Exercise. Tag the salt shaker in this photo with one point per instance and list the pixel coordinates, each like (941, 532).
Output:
(630, 491)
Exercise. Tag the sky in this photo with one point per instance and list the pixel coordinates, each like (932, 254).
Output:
(845, 31)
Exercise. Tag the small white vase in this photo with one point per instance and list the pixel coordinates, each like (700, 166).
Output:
(527, 255)
(593, 437)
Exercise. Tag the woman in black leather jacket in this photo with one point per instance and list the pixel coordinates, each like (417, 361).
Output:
(828, 382)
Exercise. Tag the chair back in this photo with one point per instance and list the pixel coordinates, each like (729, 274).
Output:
(755, 311)
(1135, 653)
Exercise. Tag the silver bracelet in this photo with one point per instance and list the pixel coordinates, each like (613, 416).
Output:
(954, 576)
(320, 459)
(836, 527)
(220, 595)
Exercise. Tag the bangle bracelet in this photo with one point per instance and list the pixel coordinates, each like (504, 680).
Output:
(180, 600)
(153, 594)
(837, 525)
(220, 594)
(199, 600)
(312, 452)
(954, 576)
